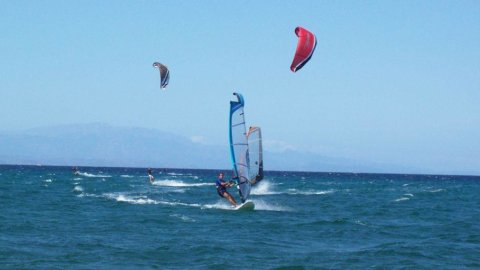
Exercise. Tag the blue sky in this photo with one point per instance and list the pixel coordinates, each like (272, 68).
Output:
(391, 81)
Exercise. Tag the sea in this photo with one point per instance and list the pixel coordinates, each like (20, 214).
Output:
(114, 218)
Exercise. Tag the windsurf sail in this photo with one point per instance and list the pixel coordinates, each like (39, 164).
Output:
(254, 138)
(239, 147)
(305, 48)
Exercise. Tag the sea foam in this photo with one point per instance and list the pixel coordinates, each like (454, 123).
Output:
(93, 175)
(175, 183)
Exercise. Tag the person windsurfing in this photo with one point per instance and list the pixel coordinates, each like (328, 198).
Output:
(75, 170)
(150, 175)
(222, 186)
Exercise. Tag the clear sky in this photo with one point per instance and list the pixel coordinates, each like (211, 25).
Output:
(390, 81)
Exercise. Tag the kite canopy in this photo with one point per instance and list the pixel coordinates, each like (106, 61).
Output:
(164, 74)
(305, 48)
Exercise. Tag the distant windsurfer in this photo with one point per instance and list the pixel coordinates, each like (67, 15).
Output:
(150, 176)
(222, 189)
(75, 170)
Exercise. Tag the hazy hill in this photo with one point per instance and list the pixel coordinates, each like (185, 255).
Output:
(105, 145)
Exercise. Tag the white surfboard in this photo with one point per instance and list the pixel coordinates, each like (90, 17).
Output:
(246, 206)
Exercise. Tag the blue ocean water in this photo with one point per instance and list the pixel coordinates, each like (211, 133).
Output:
(113, 218)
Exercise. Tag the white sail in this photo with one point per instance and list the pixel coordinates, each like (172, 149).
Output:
(254, 138)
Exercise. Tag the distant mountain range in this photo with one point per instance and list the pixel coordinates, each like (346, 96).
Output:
(105, 145)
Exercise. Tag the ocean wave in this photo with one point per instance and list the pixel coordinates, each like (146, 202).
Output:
(126, 176)
(79, 190)
(402, 199)
(293, 191)
(196, 205)
(359, 222)
(218, 205)
(84, 194)
(259, 205)
(183, 217)
(263, 188)
(177, 174)
(93, 175)
(267, 188)
(174, 183)
(264, 206)
(140, 200)
(121, 197)
(130, 199)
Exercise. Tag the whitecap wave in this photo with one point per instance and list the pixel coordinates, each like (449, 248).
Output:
(218, 205)
(121, 197)
(267, 188)
(359, 222)
(177, 190)
(139, 200)
(181, 204)
(263, 188)
(176, 174)
(78, 189)
(293, 191)
(436, 190)
(48, 180)
(93, 175)
(264, 206)
(174, 183)
(130, 199)
(126, 176)
(84, 194)
(183, 217)
(259, 205)
(402, 199)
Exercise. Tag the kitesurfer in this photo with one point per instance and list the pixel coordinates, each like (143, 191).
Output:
(222, 186)
(150, 175)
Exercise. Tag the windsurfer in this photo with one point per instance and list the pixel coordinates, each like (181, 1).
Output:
(150, 175)
(222, 189)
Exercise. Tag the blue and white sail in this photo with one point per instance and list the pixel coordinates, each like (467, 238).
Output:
(245, 149)
(239, 147)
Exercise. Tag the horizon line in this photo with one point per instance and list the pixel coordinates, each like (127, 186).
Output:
(274, 171)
